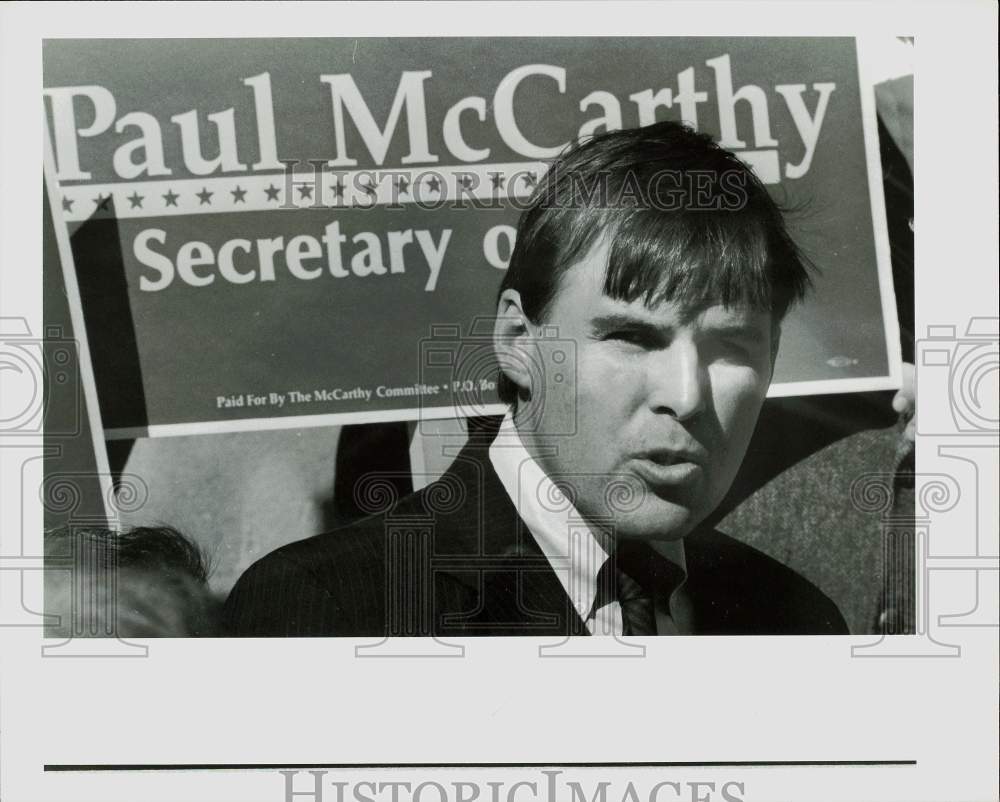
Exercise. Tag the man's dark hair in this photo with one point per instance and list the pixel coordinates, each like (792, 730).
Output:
(155, 577)
(687, 222)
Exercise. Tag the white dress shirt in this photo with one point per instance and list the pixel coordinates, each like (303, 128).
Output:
(575, 553)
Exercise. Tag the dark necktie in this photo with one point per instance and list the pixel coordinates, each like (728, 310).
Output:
(638, 612)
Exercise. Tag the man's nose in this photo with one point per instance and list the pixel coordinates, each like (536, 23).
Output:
(677, 381)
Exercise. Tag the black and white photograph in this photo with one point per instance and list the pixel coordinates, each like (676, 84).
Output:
(618, 270)
(386, 376)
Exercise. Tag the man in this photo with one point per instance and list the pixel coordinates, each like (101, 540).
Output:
(637, 328)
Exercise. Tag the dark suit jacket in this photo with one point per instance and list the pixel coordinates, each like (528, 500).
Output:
(454, 559)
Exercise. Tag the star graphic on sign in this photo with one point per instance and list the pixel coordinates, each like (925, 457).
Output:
(171, 197)
(204, 196)
(402, 184)
(135, 201)
(497, 179)
(465, 181)
(238, 194)
(102, 201)
(530, 180)
(272, 192)
(368, 188)
(67, 204)
(305, 191)
(434, 184)
(338, 189)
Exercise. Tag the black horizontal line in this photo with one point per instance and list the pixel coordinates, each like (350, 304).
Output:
(84, 767)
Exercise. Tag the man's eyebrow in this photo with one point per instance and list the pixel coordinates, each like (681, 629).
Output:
(746, 331)
(617, 320)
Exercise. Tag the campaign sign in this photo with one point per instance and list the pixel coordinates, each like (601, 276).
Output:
(269, 232)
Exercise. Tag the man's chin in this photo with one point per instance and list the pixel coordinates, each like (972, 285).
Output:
(657, 520)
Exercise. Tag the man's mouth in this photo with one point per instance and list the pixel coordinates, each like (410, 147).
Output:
(667, 469)
(666, 457)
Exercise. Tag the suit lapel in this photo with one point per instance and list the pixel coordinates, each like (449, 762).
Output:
(511, 587)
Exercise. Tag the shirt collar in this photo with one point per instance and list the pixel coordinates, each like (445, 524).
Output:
(564, 537)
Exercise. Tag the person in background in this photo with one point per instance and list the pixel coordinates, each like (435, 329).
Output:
(146, 582)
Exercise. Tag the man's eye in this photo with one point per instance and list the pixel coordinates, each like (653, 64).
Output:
(626, 336)
(736, 350)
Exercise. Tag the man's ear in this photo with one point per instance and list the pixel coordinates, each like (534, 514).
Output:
(511, 339)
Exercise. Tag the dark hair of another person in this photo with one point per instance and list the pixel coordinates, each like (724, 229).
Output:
(687, 221)
(160, 578)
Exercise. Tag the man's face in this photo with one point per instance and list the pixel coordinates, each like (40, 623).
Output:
(663, 406)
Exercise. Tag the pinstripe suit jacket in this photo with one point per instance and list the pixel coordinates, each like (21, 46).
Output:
(455, 560)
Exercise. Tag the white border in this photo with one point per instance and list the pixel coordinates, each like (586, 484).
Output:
(779, 390)
(302, 421)
(880, 227)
